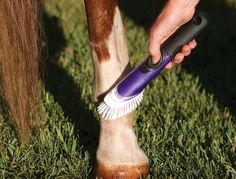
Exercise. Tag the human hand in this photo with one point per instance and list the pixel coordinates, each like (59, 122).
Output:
(174, 14)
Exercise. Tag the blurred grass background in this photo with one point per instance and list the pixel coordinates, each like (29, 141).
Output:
(185, 124)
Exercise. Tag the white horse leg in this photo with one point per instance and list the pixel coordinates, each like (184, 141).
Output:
(118, 153)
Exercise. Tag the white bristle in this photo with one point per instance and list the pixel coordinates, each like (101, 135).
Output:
(116, 113)
(114, 107)
(108, 114)
(111, 113)
(119, 112)
(126, 109)
(101, 108)
(105, 111)
(130, 106)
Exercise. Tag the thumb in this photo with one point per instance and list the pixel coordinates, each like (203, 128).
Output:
(154, 47)
(161, 30)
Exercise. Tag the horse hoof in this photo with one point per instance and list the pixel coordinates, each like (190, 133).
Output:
(106, 171)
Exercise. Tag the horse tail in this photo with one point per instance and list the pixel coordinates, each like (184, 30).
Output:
(20, 61)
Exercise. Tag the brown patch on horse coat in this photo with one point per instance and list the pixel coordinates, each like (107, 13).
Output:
(101, 51)
(100, 15)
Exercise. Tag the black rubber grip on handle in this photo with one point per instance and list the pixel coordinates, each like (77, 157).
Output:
(185, 33)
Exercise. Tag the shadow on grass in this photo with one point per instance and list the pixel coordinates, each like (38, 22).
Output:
(214, 60)
(66, 93)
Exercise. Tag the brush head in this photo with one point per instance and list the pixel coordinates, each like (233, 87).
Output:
(115, 106)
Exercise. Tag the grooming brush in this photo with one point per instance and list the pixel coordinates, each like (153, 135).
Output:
(128, 93)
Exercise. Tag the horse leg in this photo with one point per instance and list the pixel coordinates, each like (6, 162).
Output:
(118, 154)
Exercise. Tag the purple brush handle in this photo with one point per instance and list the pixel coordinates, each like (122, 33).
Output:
(136, 80)
(139, 78)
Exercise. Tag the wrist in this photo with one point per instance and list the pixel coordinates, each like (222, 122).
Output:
(184, 4)
(181, 9)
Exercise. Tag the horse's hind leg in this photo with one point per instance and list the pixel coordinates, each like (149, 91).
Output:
(118, 153)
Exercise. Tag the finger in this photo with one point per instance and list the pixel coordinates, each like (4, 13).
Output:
(156, 57)
(169, 65)
(179, 58)
(192, 44)
(154, 46)
(186, 50)
(154, 51)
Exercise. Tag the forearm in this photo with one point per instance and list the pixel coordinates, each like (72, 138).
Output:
(180, 10)
(184, 3)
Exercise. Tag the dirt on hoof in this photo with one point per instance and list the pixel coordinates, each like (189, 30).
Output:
(106, 171)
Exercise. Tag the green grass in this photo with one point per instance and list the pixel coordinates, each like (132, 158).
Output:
(185, 124)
